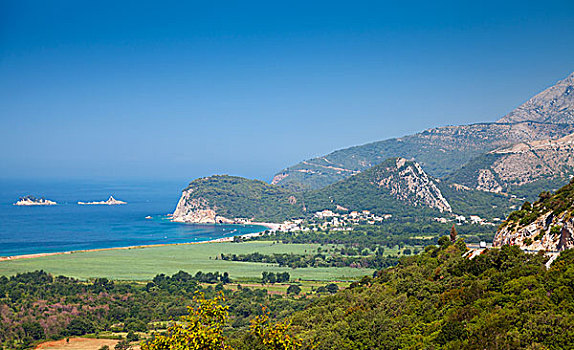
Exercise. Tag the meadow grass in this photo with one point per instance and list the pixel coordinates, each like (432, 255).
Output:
(144, 263)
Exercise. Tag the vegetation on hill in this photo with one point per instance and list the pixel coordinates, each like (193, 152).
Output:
(468, 201)
(363, 192)
(440, 299)
(560, 204)
(237, 197)
(502, 299)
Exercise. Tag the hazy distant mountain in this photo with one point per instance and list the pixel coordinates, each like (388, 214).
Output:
(553, 105)
(441, 151)
(480, 165)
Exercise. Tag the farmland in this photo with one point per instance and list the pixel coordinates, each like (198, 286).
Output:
(146, 262)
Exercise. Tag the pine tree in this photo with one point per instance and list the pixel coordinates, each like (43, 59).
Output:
(453, 234)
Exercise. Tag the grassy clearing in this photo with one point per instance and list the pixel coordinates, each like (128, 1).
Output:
(145, 263)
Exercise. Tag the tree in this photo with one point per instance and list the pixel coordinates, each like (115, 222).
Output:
(453, 234)
(132, 336)
(79, 326)
(33, 330)
(201, 329)
(294, 289)
(274, 336)
(283, 277)
(444, 241)
(225, 278)
(269, 277)
(331, 288)
(123, 345)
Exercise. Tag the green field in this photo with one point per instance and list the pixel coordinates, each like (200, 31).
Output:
(145, 263)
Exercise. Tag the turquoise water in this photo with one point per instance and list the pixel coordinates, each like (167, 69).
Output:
(69, 226)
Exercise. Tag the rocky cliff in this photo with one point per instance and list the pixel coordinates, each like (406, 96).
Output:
(407, 181)
(196, 210)
(548, 224)
(553, 105)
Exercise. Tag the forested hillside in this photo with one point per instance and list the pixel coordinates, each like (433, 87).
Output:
(502, 299)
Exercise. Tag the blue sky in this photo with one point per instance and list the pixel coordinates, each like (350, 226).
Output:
(181, 89)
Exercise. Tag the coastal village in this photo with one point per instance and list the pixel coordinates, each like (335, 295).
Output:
(341, 221)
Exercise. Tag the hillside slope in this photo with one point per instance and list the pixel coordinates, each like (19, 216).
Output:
(222, 198)
(440, 151)
(393, 187)
(502, 299)
(396, 186)
(548, 224)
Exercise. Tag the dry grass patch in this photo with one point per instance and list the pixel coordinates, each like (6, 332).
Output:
(79, 344)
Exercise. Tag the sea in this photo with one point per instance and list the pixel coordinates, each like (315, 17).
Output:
(68, 226)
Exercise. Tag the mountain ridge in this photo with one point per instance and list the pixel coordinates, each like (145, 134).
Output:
(397, 186)
(444, 150)
(439, 150)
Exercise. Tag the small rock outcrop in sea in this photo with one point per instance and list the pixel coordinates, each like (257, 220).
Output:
(31, 200)
(548, 224)
(110, 201)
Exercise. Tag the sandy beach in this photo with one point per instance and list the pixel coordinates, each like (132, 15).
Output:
(217, 240)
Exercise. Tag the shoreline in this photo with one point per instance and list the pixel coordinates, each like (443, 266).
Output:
(143, 246)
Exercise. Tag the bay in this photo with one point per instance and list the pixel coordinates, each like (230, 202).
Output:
(69, 226)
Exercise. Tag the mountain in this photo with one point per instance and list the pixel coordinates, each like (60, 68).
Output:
(548, 224)
(482, 167)
(553, 105)
(441, 151)
(520, 168)
(392, 187)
